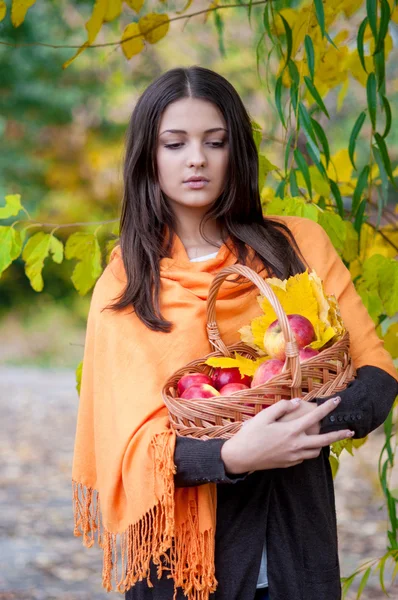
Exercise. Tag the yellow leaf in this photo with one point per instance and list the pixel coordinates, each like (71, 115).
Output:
(19, 9)
(113, 11)
(246, 366)
(135, 4)
(154, 27)
(357, 443)
(187, 5)
(3, 10)
(340, 167)
(70, 60)
(301, 294)
(94, 23)
(352, 6)
(209, 10)
(134, 45)
(224, 362)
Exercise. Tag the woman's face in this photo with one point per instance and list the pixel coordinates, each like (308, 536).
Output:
(192, 142)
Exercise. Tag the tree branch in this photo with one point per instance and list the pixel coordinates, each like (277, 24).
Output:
(138, 35)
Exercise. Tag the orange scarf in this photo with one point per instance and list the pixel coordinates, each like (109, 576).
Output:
(123, 467)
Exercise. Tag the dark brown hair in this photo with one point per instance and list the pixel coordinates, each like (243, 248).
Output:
(146, 215)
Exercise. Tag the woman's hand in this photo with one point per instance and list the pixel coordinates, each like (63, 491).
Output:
(268, 442)
(304, 408)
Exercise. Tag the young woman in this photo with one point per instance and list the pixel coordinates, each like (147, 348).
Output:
(254, 516)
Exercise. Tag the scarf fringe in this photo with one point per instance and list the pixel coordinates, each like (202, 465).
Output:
(185, 552)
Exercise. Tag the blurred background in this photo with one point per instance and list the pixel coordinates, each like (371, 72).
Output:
(62, 143)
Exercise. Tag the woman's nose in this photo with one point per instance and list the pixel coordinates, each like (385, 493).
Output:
(196, 157)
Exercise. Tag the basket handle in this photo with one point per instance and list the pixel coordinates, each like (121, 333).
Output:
(291, 348)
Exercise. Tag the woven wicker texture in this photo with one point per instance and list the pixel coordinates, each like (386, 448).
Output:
(327, 373)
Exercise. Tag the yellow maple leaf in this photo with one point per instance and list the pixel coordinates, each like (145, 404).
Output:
(301, 294)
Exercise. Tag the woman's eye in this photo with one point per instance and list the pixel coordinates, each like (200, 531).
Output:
(177, 145)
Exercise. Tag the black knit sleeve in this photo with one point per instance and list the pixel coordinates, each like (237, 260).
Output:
(365, 403)
(199, 462)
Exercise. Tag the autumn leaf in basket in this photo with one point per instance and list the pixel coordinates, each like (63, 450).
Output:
(246, 366)
(301, 294)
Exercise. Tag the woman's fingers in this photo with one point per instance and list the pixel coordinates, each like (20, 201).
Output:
(305, 422)
(325, 439)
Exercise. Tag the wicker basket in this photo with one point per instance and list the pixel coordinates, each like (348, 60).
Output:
(327, 373)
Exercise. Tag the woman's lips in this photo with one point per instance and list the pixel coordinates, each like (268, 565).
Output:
(196, 185)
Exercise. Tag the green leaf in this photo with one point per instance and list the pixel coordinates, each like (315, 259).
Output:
(350, 249)
(264, 167)
(353, 137)
(380, 278)
(302, 165)
(391, 345)
(219, 22)
(266, 23)
(360, 216)
(294, 74)
(347, 582)
(387, 110)
(84, 247)
(57, 249)
(334, 464)
(289, 38)
(383, 25)
(382, 565)
(371, 98)
(278, 99)
(10, 246)
(78, 375)
(34, 254)
(337, 196)
(293, 183)
(321, 135)
(360, 186)
(363, 582)
(287, 149)
(315, 157)
(309, 49)
(380, 68)
(371, 10)
(12, 207)
(360, 38)
(315, 94)
(305, 123)
(320, 15)
(280, 190)
(335, 228)
(385, 157)
(257, 134)
(395, 572)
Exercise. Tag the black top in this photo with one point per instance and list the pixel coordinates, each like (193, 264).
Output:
(293, 508)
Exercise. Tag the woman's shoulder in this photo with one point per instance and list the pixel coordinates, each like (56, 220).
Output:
(306, 231)
(112, 280)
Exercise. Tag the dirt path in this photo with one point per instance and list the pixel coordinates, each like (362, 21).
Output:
(39, 557)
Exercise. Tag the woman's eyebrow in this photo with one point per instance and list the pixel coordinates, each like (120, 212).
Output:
(183, 131)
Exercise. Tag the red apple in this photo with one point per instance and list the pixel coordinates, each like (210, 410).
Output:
(222, 377)
(274, 342)
(306, 353)
(200, 390)
(190, 379)
(230, 388)
(267, 370)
